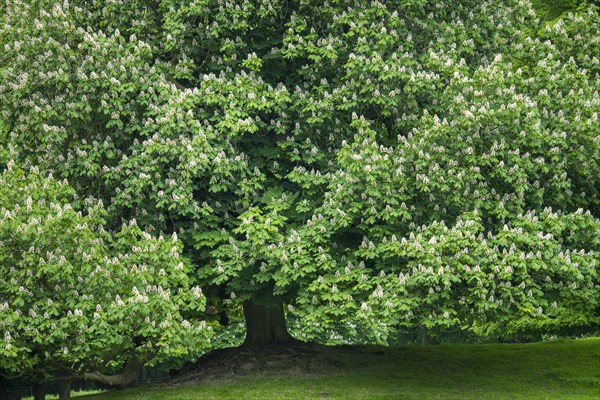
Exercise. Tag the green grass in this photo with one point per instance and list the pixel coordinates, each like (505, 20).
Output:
(552, 370)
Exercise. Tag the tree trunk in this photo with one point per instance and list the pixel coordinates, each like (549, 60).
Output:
(265, 324)
(3, 388)
(64, 389)
(423, 332)
(39, 391)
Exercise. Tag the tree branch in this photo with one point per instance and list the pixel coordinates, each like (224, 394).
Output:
(126, 377)
(175, 82)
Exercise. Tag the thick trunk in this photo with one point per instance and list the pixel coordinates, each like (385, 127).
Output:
(265, 324)
(39, 391)
(64, 389)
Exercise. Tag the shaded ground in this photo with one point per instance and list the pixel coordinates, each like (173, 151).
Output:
(308, 360)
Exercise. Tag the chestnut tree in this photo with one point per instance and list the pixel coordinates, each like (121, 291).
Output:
(404, 162)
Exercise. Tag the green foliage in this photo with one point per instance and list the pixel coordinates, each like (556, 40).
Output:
(551, 10)
(75, 298)
(378, 164)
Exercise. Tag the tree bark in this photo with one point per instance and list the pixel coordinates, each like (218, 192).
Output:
(265, 324)
(3, 388)
(423, 333)
(39, 391)
(123, 379)
(64, 389)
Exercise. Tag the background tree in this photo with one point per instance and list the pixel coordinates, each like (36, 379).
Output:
(288, 145)
(76, 302)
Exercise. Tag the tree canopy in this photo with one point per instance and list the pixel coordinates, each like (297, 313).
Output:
(76, 300)
(395, 163)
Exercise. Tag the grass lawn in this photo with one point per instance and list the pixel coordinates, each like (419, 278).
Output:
(552, 370)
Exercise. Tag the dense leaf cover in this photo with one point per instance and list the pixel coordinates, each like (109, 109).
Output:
(74, 298)
(389, 163)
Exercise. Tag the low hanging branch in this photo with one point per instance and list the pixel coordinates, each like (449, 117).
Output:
(128, 375)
